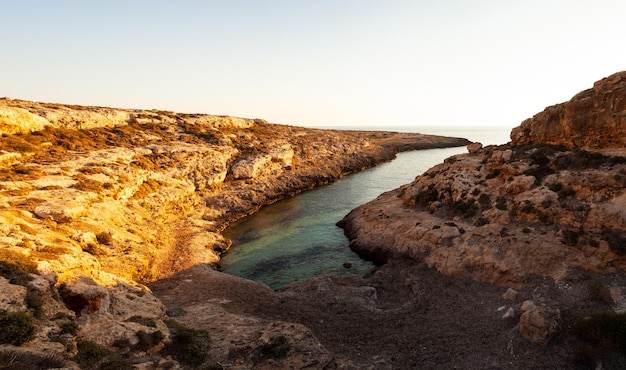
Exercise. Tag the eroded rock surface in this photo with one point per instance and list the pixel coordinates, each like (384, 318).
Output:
(102, 200)
(502, 214)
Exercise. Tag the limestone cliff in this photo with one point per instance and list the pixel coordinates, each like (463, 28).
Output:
(593, 120)
(545, 204)
(96, 201)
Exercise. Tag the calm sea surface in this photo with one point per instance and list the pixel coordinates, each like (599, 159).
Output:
(296, 239)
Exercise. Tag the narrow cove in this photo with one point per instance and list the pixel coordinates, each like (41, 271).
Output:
(297, 239)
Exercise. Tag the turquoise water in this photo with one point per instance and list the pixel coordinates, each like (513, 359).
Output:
(296, 239)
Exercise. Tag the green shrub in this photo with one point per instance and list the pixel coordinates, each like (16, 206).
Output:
(188, 345)
(277, 347)
(29, 361)
(34, 302)
(14, 272)
(69, 327)
(89, 353)
(148, 340)
(145, 321)
(15, 327)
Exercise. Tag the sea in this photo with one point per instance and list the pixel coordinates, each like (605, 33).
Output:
(297, 238)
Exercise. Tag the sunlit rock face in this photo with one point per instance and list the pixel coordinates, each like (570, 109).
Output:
(594, 119)
(95, 202)
(547, 203)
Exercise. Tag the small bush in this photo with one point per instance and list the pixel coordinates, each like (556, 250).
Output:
(148, 340)
(104, 238)
(16, 328)
(69, 327)
(277, 347)
(29, 361)
(501, 203)
(34, 302)
(14, 273)
(121, 343)
(188, 345)
(89, 353)
(570, 237)
(145, 321)
(555, 187)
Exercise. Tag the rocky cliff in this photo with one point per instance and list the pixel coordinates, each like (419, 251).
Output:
(95, 202)
(544, 204)
(550, 205)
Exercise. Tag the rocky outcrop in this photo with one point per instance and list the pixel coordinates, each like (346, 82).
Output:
(102, 200)
(593, 120)
(502, 214)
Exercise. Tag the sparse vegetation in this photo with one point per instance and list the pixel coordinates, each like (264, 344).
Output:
(14, 360)
(16, 328)
(104, 238)
(145, 321)
(148, 340)
(13, 271)
(34, 302)
(277, 347)
(69, 327)
(89, 353)
(188, 345)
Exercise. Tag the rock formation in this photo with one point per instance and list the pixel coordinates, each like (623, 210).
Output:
(551, 203)
(98, 201)
(593, 120)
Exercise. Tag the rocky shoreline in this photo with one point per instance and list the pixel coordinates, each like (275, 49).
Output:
(97, 202)
(508, 257)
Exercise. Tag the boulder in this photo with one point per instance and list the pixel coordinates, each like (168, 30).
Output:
(540, 324)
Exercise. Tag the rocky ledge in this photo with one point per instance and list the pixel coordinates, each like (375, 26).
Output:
(97, 202)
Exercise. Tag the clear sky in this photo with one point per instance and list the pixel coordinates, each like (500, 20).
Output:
(313, 62)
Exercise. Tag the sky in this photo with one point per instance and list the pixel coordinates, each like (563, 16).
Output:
(313, 63)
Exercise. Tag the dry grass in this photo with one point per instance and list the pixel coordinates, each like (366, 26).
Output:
(148, 187)
(86, 184)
